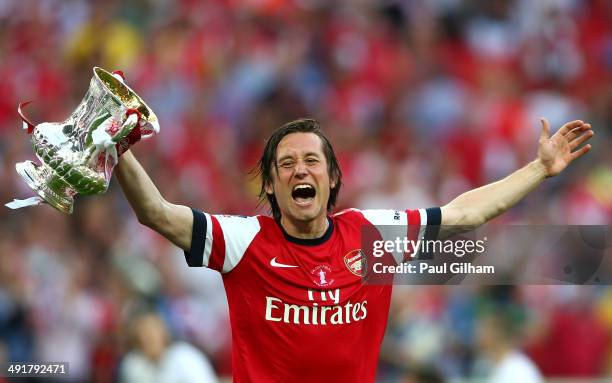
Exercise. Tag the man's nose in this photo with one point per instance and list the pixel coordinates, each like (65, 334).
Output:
(300, 169)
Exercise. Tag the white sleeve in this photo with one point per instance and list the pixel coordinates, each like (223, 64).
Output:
(220, 241)
(413, 224)
(428, 220)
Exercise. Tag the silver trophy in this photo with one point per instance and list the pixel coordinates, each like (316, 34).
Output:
(78, 155)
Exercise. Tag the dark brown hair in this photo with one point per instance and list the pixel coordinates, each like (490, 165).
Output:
(268, 161)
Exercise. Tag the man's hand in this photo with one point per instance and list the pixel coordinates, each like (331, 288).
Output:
(475, 207)
(558, 151)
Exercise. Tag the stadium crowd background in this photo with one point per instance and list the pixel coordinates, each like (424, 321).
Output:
(422, 101)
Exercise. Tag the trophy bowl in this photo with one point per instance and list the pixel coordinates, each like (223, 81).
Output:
(78, 155)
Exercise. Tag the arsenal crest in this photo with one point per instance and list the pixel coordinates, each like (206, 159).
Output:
(355, 262)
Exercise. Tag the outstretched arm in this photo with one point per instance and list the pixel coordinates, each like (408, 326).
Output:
(172, 221)
(480, 205)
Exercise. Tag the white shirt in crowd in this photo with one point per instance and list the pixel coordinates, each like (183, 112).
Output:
(515, 367)
(181, 363)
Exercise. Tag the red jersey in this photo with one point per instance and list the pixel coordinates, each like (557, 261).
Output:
(299, 311)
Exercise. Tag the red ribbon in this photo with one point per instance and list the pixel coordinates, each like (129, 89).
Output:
(120, 73)
(24, 118)
(131, 111)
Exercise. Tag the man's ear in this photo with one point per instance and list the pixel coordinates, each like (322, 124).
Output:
(269, 189)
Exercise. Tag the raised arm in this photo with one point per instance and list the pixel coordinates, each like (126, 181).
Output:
(172, 221)
(480, 205)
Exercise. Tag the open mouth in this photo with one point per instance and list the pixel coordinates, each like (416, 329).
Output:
(303, 193)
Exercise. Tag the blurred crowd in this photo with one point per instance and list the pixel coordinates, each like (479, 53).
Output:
(422, 100)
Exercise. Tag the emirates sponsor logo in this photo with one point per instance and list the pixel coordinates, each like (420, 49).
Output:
(324, 310)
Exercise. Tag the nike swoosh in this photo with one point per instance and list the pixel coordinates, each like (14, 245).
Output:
(273, 263)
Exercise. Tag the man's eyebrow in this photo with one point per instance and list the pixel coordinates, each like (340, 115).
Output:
(289, 156)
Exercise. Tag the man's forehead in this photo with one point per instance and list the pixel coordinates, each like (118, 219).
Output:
(299, 143)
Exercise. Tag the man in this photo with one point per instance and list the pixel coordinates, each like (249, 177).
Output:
(298, 309)
(497, 333)
(155, 358)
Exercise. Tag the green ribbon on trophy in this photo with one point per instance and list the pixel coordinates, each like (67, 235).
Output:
(78, 155)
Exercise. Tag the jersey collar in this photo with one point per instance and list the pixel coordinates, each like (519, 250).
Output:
(310, 241)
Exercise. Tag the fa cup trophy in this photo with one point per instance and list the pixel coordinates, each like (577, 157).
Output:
(78, 155)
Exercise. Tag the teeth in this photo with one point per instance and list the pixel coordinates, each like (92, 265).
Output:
(302, 187)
